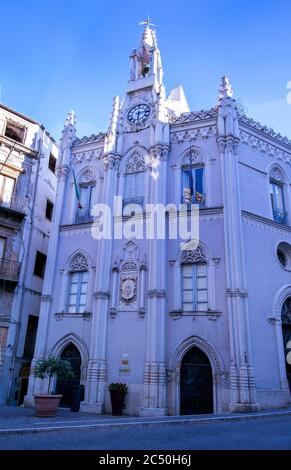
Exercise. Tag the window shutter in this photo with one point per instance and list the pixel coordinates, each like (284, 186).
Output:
(194, 287)
(129, 186)
(139, 184)
(92, 198)
(199, 180)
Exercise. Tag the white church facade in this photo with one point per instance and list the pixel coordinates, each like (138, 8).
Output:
(204, 330)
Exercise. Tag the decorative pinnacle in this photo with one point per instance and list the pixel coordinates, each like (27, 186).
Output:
(71, 119)
(225, 89)
(149, 35)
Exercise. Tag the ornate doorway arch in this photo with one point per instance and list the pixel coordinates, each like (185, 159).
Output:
(64, 386)
(286, 333)
(213, 365)
(196, 388)
(280, 321)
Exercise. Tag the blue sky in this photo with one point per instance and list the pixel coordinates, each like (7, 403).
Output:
(63, 55)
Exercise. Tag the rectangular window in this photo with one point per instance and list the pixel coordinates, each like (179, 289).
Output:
(52, 163)
(39, 265)
(49, 209)
(278, 205)
(194, 288)
(87, 197)
(15, 132)
(87, 200)
(134, 188)
(78, 292)
(192, 186)
(6, 190)
(2, 247)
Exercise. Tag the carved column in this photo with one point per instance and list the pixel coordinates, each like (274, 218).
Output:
(141, 307)
(242, 387)
(95, 387)
(154, 388)
(113, 309)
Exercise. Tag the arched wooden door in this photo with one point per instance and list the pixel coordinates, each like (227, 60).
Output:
(196, 387)
(286, 331)
(65, 386)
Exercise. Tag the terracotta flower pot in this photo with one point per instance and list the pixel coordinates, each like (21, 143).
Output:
(46, 405)
(117, 400)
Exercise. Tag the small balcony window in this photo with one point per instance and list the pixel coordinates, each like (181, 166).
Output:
(6, 190)
(278, 203)
(39, 265)
(52, 163)
(15, 132)
(192, 186)
(49, 209)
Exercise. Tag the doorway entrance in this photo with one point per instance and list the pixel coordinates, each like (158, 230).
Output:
(286, 331)
(65, 385)
(196, 387)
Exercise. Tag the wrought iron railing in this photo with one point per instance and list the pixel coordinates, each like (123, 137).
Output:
(280, 216)
(133, 200)
(83, 216)
(9, 270)
(7, 202)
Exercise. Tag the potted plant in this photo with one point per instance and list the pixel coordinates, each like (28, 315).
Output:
(117, 395)
(46, 405)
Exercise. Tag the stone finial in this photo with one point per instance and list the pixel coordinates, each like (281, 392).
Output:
(149, 37)
(225, 89)
(68, 135)
(114, 115)
(110, 139)
(227, 115)
(71, 119)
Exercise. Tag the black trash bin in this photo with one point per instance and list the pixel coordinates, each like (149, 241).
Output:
(77, 397)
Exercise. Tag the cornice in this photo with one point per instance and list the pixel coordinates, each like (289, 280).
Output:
(194, 116)
(89, 139)
(264, 130)
(269, 147)
(265, 223)
(17, 146)
(75, 229)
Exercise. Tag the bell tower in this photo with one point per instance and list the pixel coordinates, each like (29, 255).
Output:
(145, 62)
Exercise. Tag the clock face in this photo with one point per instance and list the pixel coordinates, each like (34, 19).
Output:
(138, 114)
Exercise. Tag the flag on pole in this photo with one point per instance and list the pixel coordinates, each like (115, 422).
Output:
(77, 192)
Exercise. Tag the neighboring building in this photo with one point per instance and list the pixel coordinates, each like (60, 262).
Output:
(188, 331)
(28, 157)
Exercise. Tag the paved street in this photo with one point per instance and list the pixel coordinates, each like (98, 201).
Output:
(269, 433)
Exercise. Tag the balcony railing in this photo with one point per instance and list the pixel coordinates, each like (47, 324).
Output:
(280, 216)
(133, 200)
(11, 203)
(9, 270)
(83, 216)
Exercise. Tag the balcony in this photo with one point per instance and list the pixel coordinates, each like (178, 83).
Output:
(133, 200)
(12, 207)
(83, 216)
(9, 270)
(280, 216)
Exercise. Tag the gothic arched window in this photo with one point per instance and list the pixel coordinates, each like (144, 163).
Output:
(134, 180)
(87, 188)
(193, 179)
(78, 284)
(277, 196)
(194, 280)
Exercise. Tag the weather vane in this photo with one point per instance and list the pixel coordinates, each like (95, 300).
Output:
(147, 22)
